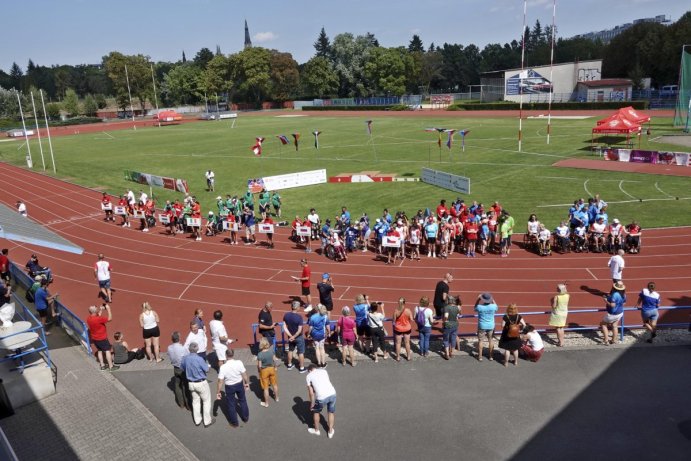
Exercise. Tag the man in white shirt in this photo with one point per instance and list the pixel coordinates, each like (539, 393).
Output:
(143, 197)
(233, 377)
(313, 218)
(102, 274)
(21, 208)
(616, 265)
(321, 393)
(197, 335)
(130, 197)
(210, 179)
(219, 337)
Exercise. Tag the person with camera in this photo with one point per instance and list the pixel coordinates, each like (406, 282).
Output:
(99, 335)
(266, 323)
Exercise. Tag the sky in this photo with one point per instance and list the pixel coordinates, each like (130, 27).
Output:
(51, 32)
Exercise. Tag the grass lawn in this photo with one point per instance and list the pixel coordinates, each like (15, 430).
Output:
(523, 182)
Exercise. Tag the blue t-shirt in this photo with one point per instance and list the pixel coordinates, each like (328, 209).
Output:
(41, 299)
(361, 311)
(618, 300)
(318, 324)
(649, 300)
(431, 230)
(293, 321)
(485, 316)
(195, 367)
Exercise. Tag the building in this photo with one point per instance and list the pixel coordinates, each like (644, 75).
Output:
(607, 35)
(248, 41)
(609, 89)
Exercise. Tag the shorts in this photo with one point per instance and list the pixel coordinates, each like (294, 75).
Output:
(220, 350)
(363, 330)
(104, 284)
(154, 332)
(250, 229)
(505, 241)
(612, 318)
(305, 291)
(348, 341)
(102, 345)
(267, 376)
(43, 313)
(650, 314)
(298, 344)
(432, 240)
(401, 333)
(319, 342)
(330, 403)
(489, 334)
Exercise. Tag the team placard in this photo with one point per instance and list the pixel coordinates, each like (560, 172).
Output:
(303, 231)
(194, 222)
(391, 241)
(120, 211)
(266, 228)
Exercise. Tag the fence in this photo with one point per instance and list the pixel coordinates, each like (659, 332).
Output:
(624, 325)
(68, 320)
(411, 100)
(23, 312)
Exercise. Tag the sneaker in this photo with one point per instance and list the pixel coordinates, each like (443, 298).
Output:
(290, 367)
(114, 368)
(314, 431)
(325, 365)
(302, 370)
(331, 433)
(264, 404)
(104, 368)
(145, 230)
(308, 309)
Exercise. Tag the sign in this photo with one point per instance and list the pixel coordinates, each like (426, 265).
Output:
(194, 222)
(299, 179)
(391, 241)
(303, 231)
(139, 214)
(164, 219)
(230, 226)
(527, 82)
(266, 228)
(225, 116)
(446, 180)
(120, 211)
(106, 206)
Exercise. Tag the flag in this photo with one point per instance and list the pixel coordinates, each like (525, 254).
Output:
(296, 138)
(257, 148)
(283, 139)
(439, 131)
(463, 133)
(369, 127)
(449, 141)
(316, 138)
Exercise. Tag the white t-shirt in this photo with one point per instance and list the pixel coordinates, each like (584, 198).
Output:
(533, 227)
(599, 228)
(429, 316)
(415, 236)
(149, 320)
(143, 197)
(21, 208)
(535, 341)
(217, 330)
(313, 218)
(616, 266)
(130, 197)
(102, 269)
(199, 338)
(231, 372)
(319, 380)
(562, 231)
(544, 235)
(209, 175)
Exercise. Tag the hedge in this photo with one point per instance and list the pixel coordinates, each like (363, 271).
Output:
(640, 105)
(348, 108)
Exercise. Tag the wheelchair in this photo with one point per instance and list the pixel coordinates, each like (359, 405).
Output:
(579, 243)
(544, 247)
(614, 244)
(334, 253)
(562, 244)
(531, 243)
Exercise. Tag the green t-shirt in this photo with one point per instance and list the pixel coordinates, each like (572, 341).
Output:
(263, 199)
(504, 229)
(249, 199)
(451, 316)
(510, 221)
(276, 200)
(266, 357)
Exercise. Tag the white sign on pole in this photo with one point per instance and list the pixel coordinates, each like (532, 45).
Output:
(230, 226)
(266, 228)
(299, 179)
(391, 241)
(194, 222)
(446, 180)
(106, 206)
(303, 231)
(139, 214)
(120, 211)
(164, 219)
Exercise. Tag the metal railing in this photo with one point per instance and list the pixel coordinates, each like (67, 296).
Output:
(68, 320)
(36, 327)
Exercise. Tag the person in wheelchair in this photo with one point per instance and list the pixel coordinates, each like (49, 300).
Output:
(211, 222)
(561, 238)
(598, 229)
(337, 243)
(633, 237)
(579, 237)
(543, 238)
(532, 230)
(33, 268)
(615, 237)
(297, 222)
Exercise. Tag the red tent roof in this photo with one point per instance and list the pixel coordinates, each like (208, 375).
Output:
(631, 114)
(616, 124)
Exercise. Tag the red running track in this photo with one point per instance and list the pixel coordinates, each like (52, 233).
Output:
(177, 274)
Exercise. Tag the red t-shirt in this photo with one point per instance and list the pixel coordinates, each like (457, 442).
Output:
(441, 209)
(471, 231)
(306, 272)
(105, 200)
(4, 263)
(196, 210)
(97, 327)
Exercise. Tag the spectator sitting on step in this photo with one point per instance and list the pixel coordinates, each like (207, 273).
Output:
(121, 350)
(34, 268)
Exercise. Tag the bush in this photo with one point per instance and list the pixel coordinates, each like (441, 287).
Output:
(575, 105)
(348, 108)
(77, 121)
(400, 107)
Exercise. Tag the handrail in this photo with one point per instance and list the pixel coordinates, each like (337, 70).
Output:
(36, 327)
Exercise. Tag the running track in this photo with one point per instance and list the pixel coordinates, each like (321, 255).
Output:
(177, 274)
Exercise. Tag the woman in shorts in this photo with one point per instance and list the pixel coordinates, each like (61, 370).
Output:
(375, 323)
(266, 367)
(148, 320)
(403, 321)
(415, 235)
(431, 230)
(318, 326)
(347, 331)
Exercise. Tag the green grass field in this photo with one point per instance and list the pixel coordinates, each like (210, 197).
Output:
(523, 182)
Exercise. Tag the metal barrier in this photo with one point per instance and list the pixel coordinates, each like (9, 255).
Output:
(68, 320)
(25, 314)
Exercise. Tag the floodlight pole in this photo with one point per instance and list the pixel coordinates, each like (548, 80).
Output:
(50, 143)
(520, 89)
(38, 131)
(551, 73)
(153, 79)
(127, 77)
(29, 160)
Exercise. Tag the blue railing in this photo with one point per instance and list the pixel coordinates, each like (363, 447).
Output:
(68, 320)
(23, 312)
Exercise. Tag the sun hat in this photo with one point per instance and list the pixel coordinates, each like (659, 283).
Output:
(486, 298)
(615, 221)
(619, 285)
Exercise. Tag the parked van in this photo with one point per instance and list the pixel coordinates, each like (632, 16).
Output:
(669, 91)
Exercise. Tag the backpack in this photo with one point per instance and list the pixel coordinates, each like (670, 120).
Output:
(420, 317)
(514, 330)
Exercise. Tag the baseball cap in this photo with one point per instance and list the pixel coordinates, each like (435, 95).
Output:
(326, 275)
(615, 221)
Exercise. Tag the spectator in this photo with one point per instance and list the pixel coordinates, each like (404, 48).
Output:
(347, 331)
(614, 304)
(375, 327)
(219, 337)
(6, 294)
(361, 309)
(102, 274)
(450, 332)
(148, 320)
(196, 369)
(633, 237)
(294, 331)
(403, 320)
(616, 265)
(510, 339)
(34, 268)
(304, 280)
(318, 331)
(266, 323)
(441, 294)
(99, 336)
(266, 368)
(198, 337)
(44, 301)
(560, 309)
(325, 288)
(122, 353)
(425, 319)
(176, 352)
(648, 302)
(198, 318)
(21, 208)
(534, 346)
(5, 265)
(485, 307)
(232, 377)
(321, 393)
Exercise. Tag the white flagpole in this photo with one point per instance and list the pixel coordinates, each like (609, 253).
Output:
(38, 131)
(520, 88)
(29, 160)
(127, 77)
(551, 73)
(50, 143)
(153, 79)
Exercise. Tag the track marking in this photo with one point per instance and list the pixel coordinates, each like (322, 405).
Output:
(621, 188)
(591, 274)
(585, 186)
(344, 292)
(200, 274)
(663, 192)
(277, 273)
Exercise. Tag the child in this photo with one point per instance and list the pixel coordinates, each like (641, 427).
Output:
(533, 348)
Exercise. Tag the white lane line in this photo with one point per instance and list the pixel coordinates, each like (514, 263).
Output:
(663, 192)
(622, 201)
(200, 275)
(585, 186)
(621, 188)
(344, 292)
(277, 273)
(591, 274)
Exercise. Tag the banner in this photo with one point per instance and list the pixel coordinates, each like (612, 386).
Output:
(647, 156)
(299, 179)
(179, 185)
(446, 180)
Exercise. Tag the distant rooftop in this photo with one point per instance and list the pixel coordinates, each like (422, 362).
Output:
(608, 34)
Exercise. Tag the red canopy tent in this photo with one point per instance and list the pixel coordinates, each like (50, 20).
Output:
(166, 116)
(616, 124)
(630, 114)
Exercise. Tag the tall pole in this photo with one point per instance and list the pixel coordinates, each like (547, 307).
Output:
(520, 77)
(50, 143)
(127, 77)
(551, 73)
(153, 79)
(218, 110)
(29, 160)
(38, 131)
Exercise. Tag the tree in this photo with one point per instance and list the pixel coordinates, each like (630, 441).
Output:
(385, 70)
(250, 69)
(16, 75)
(90, 106)
(215, 78)
(71, 103)
(138, 71)
(416, 44)
(53, 110)
(371, 39)
(180, 84)
(285, 76)
(319, 78)
(323, 45)
(349, 55)
(203, 57)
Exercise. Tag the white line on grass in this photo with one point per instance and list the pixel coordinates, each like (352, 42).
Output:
(585, 186)
(663, 192)
(623, 201)
(621, 188)
(108, 134)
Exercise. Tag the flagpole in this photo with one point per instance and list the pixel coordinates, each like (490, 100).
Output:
(520, 89)
(29, 160)
(38, 131)
(551, 73)
(50, 143)
(129, 92)
(153, 79)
